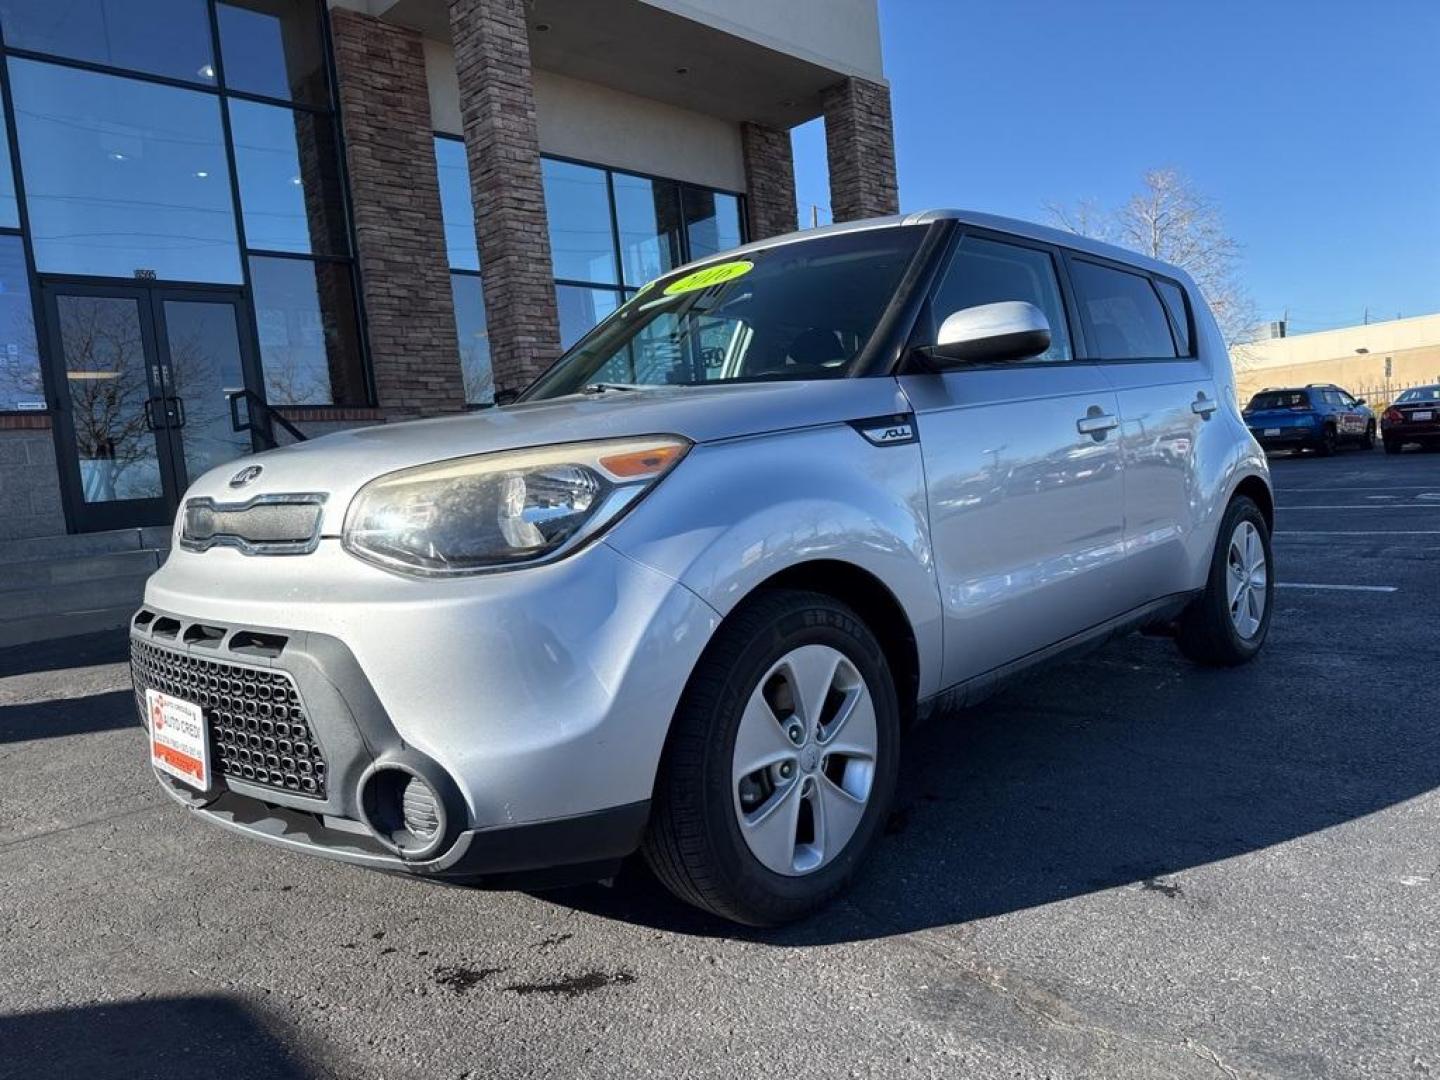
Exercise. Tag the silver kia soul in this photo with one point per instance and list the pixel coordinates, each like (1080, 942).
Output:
(688, 595)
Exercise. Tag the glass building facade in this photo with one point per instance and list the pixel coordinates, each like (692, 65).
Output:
(176, 246)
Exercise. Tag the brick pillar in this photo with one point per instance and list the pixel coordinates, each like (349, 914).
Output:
(860, 146)
(769, 179)
(395, 199)
(497, 106)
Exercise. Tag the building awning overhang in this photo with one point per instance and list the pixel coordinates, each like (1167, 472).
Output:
(642, 49)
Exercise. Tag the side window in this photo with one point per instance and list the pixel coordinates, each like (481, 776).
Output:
(1179, 310)
(986, 272)
(1121, 313)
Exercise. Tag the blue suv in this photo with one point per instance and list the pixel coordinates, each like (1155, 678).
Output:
(1316, 417)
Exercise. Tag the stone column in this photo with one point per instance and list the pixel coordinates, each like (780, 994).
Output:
(395, 201)
(769, 180)
(497, 107)
(860, 146)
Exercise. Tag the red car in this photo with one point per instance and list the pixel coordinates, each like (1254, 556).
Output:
(1413, 418)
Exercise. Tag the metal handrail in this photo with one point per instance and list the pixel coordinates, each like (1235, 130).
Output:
(255, 403)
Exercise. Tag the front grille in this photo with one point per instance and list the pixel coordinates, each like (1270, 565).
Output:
(259, 730)
(265, 525)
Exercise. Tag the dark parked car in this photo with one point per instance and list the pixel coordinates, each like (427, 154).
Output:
(1315, 417)
(1413, 418)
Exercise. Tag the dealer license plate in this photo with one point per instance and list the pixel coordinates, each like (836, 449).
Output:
(1426, 414)
(1271, 431)
(179, 744)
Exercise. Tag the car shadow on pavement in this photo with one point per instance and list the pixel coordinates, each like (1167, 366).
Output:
(186, 1038)
(1118, 771)
(67, 716)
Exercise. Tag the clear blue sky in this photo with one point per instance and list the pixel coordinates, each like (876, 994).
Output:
(1314, 127)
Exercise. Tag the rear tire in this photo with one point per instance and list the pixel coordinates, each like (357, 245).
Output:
(1393, 446)
(1329, 441)
(1227, 624)
(706, 835)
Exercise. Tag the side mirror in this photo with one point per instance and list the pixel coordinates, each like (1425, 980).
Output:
(1359, 401)
(506, 397)
(991, 333)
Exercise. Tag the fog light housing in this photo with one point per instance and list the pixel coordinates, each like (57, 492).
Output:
(403, 810)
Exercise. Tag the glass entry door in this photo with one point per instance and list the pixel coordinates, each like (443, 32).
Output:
(142, 376)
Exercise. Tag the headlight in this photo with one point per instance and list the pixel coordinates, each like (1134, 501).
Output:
(493, 511)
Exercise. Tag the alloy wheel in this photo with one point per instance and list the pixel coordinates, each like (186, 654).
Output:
(804, 760)
(1246, 577)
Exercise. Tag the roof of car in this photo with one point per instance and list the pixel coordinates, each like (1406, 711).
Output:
(1014, 226)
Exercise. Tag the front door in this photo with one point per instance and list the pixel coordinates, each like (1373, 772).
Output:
(1023, 470)
(142, 376)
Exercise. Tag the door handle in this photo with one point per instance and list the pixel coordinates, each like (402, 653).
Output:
(179, 406)
(1096, 423)
(150, 415)
(1203, 406)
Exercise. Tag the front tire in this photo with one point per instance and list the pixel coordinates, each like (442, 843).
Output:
(1227, 624)
(781, 762)
(1369, 440)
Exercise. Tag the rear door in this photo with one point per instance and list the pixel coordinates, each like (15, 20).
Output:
(1022, 469)
(1139, 330)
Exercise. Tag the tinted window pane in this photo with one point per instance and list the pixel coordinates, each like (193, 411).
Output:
(103, 349)
(986, 272)
(205, 366)
(309, 345)
(162, 37)
(578, 205)
(20, 385)
(9, 208)
(272, 47)
(1179, 313)
(1122, 315)
(474, 342)
(289, 175)
(713, 221)
(581, 308)
(648, 212)
(456, 209)
(123, 177)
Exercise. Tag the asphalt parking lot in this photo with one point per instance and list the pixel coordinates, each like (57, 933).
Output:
(1124, 867)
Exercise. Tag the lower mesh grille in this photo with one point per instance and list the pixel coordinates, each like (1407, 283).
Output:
(259, 730)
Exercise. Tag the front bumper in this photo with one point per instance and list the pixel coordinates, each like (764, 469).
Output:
(536, 703)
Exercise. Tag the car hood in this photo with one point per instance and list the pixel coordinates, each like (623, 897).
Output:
(339, 464)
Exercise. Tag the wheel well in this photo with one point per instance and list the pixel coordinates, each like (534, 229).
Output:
(1258, 492)
(876, 605)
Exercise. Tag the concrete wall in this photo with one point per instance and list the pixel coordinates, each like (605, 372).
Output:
(1351, 356)
(594, 123)
(839, 34)
(29, 485)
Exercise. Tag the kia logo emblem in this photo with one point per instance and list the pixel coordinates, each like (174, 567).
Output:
(246, 475)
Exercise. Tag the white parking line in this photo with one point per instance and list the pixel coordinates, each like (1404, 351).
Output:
(1335, 588)
(1364, 532)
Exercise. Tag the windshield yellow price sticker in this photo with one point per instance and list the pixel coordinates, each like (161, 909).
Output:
(710, 276)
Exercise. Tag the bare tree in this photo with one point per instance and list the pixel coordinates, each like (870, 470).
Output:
(1169, 220)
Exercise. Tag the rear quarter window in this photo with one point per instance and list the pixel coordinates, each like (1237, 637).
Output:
(1179, 311)
(1122, 314)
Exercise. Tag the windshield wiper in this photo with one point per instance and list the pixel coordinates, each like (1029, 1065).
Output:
(601, 387)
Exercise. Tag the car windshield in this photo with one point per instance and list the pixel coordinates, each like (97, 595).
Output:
(798, 310)
(1280, 399)
(1420, 393)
